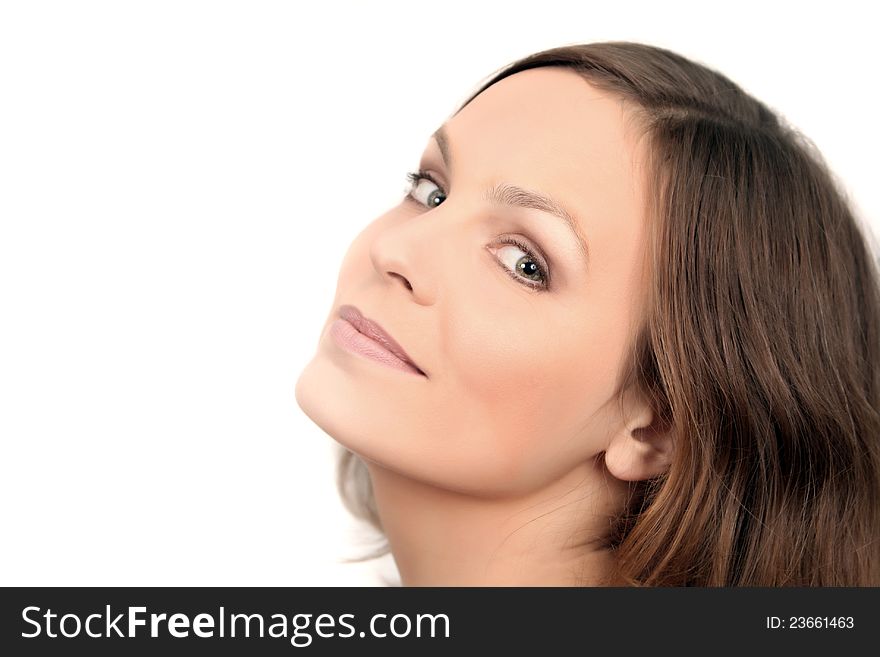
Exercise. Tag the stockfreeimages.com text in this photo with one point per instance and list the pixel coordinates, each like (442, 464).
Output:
(206, 626)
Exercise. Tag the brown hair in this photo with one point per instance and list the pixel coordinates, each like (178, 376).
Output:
(759, 347)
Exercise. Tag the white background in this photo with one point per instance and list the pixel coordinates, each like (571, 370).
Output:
(178, 184)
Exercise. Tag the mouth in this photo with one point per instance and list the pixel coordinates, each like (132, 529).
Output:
(374, 331)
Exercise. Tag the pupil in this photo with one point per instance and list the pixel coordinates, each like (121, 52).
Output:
(529, 268)
(433, 196)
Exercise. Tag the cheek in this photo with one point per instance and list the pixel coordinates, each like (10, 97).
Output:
(530, 386)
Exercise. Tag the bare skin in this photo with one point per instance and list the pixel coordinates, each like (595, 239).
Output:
(504, 465)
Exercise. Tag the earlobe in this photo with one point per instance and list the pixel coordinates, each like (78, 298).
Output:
(639, 452)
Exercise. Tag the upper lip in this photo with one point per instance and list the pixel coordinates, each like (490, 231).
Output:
(374, 331)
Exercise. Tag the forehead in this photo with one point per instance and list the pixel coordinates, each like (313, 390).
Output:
(549, 126)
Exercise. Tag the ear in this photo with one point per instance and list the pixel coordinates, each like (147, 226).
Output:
(642, 447)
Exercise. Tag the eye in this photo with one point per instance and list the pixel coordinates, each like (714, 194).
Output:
(414, 192)
(527, 269)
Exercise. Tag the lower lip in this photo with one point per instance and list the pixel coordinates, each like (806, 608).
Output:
(350, 339)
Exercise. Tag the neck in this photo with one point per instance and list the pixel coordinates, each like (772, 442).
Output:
(554, 536)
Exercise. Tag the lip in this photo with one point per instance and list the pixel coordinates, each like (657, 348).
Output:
(374, 331)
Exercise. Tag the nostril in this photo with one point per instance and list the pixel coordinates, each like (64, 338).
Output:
(405, 282)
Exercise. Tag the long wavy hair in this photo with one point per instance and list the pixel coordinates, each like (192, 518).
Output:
(759, 346)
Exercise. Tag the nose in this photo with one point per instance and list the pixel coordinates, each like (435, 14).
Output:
(402, 257)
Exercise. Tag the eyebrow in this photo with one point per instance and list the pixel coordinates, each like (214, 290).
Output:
(513, 195)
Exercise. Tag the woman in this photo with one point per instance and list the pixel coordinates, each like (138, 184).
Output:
(628, 334)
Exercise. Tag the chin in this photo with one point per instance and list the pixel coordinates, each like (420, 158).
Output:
(314, 396)
(370, 423)
(322, 394)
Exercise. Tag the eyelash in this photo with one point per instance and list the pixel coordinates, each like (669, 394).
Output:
(415, 177)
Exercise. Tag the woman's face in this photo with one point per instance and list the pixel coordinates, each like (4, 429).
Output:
(520, 379)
